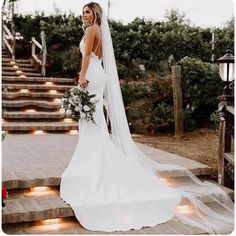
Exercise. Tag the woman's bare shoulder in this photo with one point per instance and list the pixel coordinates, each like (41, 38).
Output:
(92, 29)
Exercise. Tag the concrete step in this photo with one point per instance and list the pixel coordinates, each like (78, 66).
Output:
(35, 204)
(71, 226)
(37, 103)
(24, 65)
(33, 209)
(24, 69)
(42, 167)
(17, 79)
(21, 95)
(9, 73)
(25, 61)
(37, 87)
(33, 115)
(46, 126)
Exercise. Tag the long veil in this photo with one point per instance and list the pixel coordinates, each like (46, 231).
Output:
(199, 213)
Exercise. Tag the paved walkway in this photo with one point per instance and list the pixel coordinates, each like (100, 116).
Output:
(27, 157)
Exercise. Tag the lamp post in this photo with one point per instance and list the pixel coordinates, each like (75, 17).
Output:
(226, 70)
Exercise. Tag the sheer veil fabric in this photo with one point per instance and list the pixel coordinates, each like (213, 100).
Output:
(202, 215)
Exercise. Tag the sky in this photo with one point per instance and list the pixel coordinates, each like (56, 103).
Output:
(204, 13)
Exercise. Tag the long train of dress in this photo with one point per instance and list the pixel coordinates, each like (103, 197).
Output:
(108, 191)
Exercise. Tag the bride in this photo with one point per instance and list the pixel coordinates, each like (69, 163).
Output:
(110, 184)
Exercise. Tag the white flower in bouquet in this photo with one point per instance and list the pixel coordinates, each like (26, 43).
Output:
(86, 108)
(68, 112)
(71, 101)
(82, 115)
(93, 100)
(77, 108)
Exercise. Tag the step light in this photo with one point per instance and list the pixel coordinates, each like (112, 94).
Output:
(67, 120)
(50, 224)
(12, 62)
(18, 71)
(16, 67)
(185, 209)
(41, 191)
(22, 76)
(53, 91)
(58, 100)
(24, 90)
(166, 181)
(39, 132)
(75, 131)
(49, 83)
(30, 110)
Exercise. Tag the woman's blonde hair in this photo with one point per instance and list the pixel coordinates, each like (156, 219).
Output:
(97, 11)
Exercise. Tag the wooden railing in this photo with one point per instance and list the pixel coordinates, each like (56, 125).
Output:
(226, 147)
(9, 40)
(40, 58)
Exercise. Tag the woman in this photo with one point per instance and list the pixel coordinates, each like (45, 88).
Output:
(110, 184)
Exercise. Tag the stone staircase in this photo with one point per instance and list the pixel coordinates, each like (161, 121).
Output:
(31, 103)
(34, 204)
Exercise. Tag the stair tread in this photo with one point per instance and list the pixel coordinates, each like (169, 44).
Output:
(39, 123)
(37, 79)
(35, 112)
(36, 86)
(31, 94)
(30, 208)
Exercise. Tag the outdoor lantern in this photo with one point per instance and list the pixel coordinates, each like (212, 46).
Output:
(226, 69)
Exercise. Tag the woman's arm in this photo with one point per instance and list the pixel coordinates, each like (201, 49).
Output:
(89, 41)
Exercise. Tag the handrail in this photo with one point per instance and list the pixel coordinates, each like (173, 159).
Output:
(43, 52)
(7, 35)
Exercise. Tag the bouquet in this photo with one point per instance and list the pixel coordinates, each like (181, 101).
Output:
(77, 102)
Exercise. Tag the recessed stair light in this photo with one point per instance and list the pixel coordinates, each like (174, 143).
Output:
(30, 110)
(53, 91)
(73, 132)
(24, 90)
(49, 83)
(39, 132)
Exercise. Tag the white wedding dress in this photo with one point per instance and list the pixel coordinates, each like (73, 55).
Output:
(111, 187)
(106, 190)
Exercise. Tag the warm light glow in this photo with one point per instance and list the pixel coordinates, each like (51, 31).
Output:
(50, 224)
(58, 100)
(73, 132)
(30, 110)
(61, 110)
(12, 62)
(39, 132)
(15, 67)
(24, 90)
(184, 209)
(165, 181)
(52, 91)
(67, 120)
(49, 83)
(22, 76)
(41, 191)
(18, 71)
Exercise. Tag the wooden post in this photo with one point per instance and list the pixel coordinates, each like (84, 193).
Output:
(178, 106)
(13, 31)
(44, 50)
(33, 47)
(221, 151)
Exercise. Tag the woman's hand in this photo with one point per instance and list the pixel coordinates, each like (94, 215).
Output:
(83, 83)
